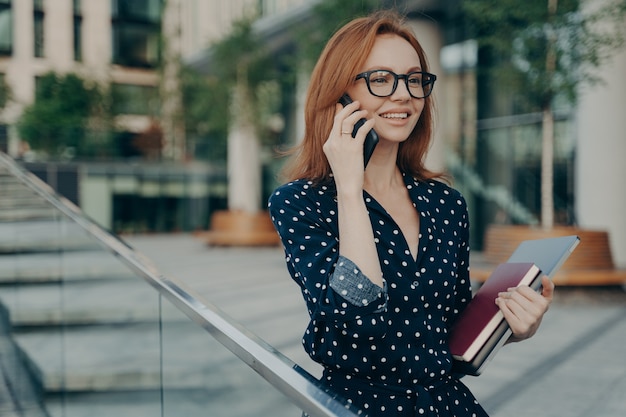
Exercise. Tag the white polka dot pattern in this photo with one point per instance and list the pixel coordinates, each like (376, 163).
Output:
(367, 337)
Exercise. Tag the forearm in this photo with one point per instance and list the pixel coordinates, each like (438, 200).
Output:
(356, 238)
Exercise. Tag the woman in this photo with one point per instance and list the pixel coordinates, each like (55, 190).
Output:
(381, 254)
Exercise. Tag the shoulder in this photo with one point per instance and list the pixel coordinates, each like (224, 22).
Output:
(438, 190)
(302, 193)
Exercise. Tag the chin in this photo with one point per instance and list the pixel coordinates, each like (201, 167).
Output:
(394, 138)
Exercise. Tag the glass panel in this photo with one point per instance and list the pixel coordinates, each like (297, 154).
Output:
(78, 42)
(39, 35)
(4, 137)
(138, 10)
(6, 30)
(134, 99)
(81, 328)
(135, 45)
(511, 158)
(83, 334)
(211, 381)
(136, 29)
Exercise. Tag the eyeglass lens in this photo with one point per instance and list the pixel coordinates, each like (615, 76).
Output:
(384, 83)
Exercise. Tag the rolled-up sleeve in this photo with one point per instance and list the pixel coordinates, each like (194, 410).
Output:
(335, 289)
(348, 281)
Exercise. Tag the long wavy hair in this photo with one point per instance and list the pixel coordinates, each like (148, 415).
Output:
(342, 58)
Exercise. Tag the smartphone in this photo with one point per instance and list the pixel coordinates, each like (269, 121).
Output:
(371, 140)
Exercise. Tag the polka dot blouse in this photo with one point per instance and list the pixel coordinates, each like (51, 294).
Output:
(383, 349)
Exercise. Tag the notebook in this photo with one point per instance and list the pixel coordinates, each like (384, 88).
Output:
(547, 255)
(482, 316)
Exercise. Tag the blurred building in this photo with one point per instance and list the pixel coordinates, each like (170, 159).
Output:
(113, 43)
(494, 157)
(116, 43)
(495, 153)
(134, 48)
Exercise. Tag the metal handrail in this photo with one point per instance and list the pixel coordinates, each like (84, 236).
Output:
(281, 372)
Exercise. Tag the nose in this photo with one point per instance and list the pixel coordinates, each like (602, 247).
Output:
(402, 90)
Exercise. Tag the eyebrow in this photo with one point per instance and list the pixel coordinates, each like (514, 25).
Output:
(383, 68)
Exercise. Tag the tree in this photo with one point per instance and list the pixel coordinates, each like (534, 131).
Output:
(328, 17)
(59, 120)
(242, 64)
(547, 48)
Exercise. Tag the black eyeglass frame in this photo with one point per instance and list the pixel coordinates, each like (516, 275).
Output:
(427, 78)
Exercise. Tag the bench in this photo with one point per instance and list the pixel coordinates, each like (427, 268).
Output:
(240, 228)
(591, 264)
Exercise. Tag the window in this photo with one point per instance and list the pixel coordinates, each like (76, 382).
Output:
(134, 99)
(4, 138)
(6, 28)
(4, 91)
(136, 31)
(38, 16)
(78, 25)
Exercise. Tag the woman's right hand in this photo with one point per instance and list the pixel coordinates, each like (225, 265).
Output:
(345, 153)
(345, 156)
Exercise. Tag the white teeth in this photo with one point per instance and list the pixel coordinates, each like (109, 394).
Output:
(395, 115)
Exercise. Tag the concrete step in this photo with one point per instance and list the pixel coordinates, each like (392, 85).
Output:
(20, 203)
(253, 397)
(51, 267)
(25, 214)
(82, 303)
(20, 198)
(14, 377)
(125, 357)
(58, 234)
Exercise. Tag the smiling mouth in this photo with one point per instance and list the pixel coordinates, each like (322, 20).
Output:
(394, 115)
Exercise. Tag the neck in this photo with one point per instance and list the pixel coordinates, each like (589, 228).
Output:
(382, 179)
(382, 173)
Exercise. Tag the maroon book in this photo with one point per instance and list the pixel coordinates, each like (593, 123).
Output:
(481, 326)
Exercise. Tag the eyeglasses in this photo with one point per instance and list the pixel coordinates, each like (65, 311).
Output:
(383, 83)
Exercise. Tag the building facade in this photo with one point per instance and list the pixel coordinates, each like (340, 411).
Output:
(118, 43)
(134, 48)
(104, 42)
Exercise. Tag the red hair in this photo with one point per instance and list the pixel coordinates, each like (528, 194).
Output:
(342, 58)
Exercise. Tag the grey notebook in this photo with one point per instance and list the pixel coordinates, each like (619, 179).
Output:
(548, 254)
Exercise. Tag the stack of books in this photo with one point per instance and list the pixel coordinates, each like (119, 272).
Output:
(481, 330)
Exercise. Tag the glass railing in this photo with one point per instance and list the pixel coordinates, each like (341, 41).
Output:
(89, 327)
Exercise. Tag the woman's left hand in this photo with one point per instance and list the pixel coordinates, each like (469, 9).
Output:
(523, 308)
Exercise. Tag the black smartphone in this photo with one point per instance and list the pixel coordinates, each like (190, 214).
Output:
(371, 140)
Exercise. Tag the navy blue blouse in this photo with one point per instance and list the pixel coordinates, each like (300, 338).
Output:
(384, 349)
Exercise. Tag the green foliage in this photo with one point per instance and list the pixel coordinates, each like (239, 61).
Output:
(241, 54)
(237, 58)
(241, 57)
(205, 101)
(328, 17)
(522, 37)
(58, 120)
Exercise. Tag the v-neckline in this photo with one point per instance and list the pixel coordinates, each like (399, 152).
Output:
(414, 255)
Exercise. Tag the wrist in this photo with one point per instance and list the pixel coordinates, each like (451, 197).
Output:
(350, 201)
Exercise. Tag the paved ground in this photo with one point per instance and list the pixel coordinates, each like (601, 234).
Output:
(575, 365)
